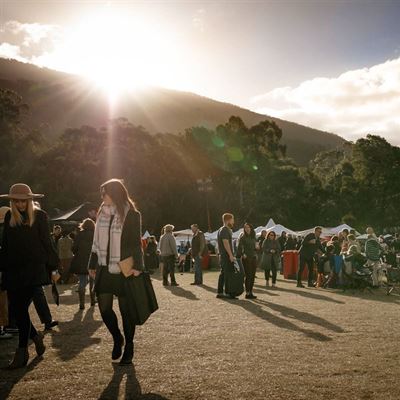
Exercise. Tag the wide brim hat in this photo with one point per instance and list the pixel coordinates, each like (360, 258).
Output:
(21, 191)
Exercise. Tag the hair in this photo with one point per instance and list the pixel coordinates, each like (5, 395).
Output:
(16, 217)
(270, 233)
(119, 195)
(57, 227)
(318, 228)
(226, 217)
(351, 237)
(87, 225)
(345, 230)
(168, 228)
(252, 233)
(194, 226)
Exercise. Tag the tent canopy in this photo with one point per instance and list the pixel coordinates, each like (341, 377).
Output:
(146, 235)
(270, 224)
(76, 214)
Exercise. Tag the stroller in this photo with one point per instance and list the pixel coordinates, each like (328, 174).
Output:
(357, 276)
(392, 278)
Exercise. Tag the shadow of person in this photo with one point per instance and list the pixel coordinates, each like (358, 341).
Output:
(307, 293)
(181, 292)
(209, 288)
(9, 378)
(133, 391)
(76, 335)
(301, 316)
(282, 323)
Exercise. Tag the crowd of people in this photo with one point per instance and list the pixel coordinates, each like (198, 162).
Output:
(107, 250)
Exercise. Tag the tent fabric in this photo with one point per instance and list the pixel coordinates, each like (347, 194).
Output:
(76, 214)
(184, 232)
(146, 235)
(270, 224)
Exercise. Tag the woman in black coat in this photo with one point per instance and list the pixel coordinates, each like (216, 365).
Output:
(26, 257)
(151, 260)
(81, 249)
(117, 238)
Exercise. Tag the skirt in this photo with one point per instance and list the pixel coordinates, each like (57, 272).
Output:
(109, 283)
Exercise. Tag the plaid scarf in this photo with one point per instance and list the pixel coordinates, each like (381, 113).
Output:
(100, 240)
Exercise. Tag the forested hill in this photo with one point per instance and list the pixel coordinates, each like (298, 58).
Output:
(58, 100)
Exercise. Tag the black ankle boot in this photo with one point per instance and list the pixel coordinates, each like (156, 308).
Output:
(128, 355)
(117, 348)
(39, 345)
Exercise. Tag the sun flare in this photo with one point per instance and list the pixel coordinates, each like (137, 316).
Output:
(120, 53)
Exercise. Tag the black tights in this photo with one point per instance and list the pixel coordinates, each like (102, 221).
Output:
(20, 301)
(105, 301)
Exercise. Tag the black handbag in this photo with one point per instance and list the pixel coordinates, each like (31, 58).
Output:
(234, 278)
(142, 298)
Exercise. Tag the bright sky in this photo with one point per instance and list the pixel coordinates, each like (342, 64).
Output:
(333, 65)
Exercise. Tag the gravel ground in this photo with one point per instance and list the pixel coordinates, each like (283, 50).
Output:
(288, 344)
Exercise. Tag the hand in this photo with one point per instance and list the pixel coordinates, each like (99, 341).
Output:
(313, 241)
(134, 272)
(55, 277)
(272, 251)
(244, 256)
(92, 273)
(231, 258)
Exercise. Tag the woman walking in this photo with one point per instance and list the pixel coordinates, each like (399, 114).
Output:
(247, 252)
(82, 248)
(151, 260)
(26, 251)
(117, 237)
(270, 258)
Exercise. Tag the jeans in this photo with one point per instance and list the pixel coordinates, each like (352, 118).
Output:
(225, 263)
(250, 267)
(169, 268)
(310, 264)
(41, 306)
(273, 269)
(105, 301)
(21, 300)
(198, 272)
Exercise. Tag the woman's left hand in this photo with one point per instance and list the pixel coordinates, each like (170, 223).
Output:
(135, 272)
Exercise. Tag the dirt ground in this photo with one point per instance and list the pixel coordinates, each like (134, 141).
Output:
(288, 344)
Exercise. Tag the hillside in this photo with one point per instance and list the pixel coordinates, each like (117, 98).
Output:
(58, 100)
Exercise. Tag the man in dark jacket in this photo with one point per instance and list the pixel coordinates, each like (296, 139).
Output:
(198, 249)
(309, 247)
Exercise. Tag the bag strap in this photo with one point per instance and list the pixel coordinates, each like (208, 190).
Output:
(109, 240)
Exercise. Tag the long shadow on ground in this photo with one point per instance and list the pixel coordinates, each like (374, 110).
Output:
(132, 387)
(305, 293)
(76, 335)
(260, 312)
(181, 292)
(301, 316)
(10, 378)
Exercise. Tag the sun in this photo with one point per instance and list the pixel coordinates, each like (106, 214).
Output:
(120, 53)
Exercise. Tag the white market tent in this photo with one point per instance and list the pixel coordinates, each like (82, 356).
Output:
(327, 231)
(279, 229)
(270, 224)
(146, 235)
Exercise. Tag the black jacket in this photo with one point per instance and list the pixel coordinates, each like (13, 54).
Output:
(131, 241)
(27, 254)
(82, 248)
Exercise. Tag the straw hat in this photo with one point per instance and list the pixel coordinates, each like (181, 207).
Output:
(20, 191)
(3, 212)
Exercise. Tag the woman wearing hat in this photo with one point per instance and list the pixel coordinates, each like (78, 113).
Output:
(117, 238)
(26, 252)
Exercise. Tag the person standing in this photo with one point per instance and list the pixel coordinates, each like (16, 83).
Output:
(151, 259)
(282, 240)
(65, 254)
(26, 255)
(271, 256)
(169, 254)
(260, 241)
(308, 249)
(117, 237)
(225, 248)
(198, 250)
(247, 252)
(82, 249)
(373, 253)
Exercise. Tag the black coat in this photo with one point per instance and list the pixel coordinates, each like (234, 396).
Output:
(27, 255)
(82, 248)
(131, 241)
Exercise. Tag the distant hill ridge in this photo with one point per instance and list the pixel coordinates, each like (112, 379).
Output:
(59, 100)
